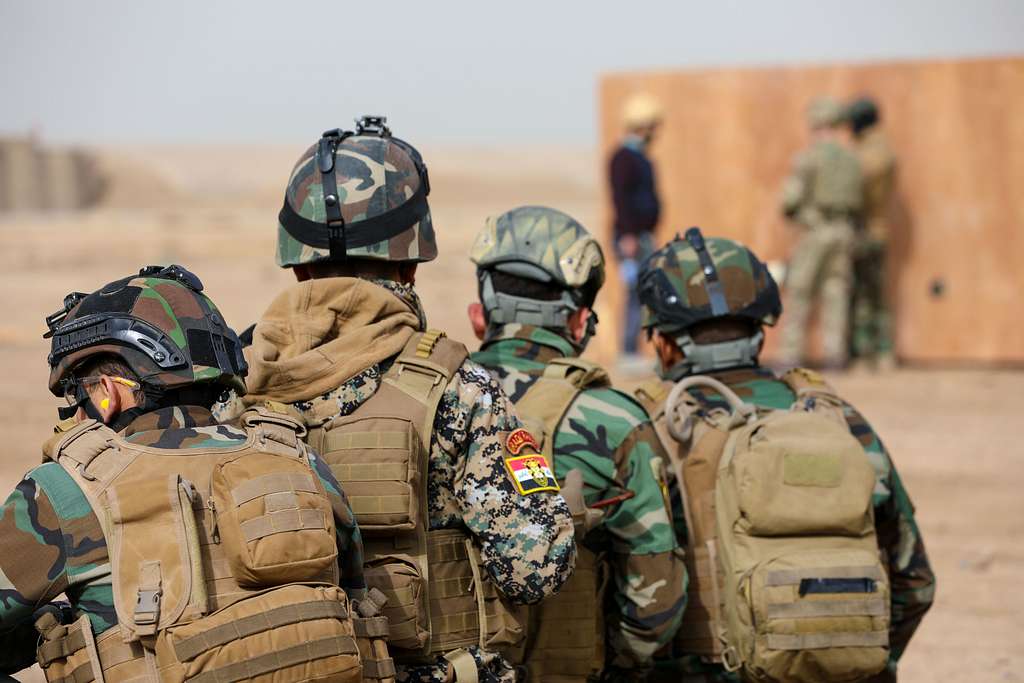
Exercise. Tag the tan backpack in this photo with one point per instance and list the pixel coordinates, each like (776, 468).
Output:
(224, 562)
(786, 581)
(439, 597)
(565, 643)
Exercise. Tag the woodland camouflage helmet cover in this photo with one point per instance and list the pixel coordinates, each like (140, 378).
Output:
(691, 280)
(158, 322)
(541, 244)
(360, 194)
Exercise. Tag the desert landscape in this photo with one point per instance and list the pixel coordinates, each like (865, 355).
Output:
(954, 434)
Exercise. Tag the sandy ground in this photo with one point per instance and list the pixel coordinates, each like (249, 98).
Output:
(953, 433)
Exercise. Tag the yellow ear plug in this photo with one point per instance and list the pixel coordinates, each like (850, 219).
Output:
(105, 403)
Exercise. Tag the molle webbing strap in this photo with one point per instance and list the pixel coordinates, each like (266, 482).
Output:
(379, 668)
(378, 505)
(53, 650)
(190, 648)
(371, 627)
(346, 440)
(464, 665)
(871, 607)
(817, 641)
(279, 482)
(82, 674)
(787, 577)
(275, 661)
(285, 520)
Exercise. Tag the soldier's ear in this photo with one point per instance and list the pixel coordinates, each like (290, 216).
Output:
(109, 401)
(477, 319)
(578, 323)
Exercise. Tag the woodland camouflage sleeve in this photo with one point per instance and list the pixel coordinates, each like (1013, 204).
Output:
(526, 541)
(913, 581)
(350, 542)
(32, 566)
(648, 570)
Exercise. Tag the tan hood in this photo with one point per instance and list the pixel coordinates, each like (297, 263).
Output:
(319, 333)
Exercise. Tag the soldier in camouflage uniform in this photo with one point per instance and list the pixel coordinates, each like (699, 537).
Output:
(709, 321)
(871, 324)
(539, 272)
(824, 197)
(162, 357)
(354, 226)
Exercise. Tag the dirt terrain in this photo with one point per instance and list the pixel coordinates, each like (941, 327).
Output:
(953, 433)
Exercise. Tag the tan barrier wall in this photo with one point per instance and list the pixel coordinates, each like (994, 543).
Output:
(958, 127)
(33, 177)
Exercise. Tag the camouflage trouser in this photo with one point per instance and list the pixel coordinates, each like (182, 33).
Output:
(821, 268)
(871, 331)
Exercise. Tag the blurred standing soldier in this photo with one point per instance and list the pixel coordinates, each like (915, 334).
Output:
(824, 197)
(127, 515)
(871, 333)
(539, 272)
(637, 208)
(705, 307)
(427, 445)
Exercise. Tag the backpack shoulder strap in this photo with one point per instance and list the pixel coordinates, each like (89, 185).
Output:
(651, 395)
(804, 380)
(583, 374)
(278, 427)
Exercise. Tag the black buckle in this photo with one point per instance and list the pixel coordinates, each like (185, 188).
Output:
(176, 273)
(373, 124)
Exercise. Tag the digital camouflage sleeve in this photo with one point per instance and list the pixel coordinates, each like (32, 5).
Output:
(53, 542)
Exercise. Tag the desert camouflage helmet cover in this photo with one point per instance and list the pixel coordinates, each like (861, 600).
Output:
(691, 280)
(824, 112)
(542, 244)
(360, 194)
(158, 322)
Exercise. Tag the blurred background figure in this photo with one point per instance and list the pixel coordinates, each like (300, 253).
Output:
(871, 319)
(637, 208)
(823, 196)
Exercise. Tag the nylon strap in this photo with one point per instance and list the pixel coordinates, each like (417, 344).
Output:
(371, 627)
(190, 648)
(787, 577)
(379, 668)
(292, 656)
(464, 665)
(278, 522)
(60, 648)
(373, 471)
(872, 607)
(381, 505)
(712, 285)
(272, 483)
(820, 641)
(81, 674)
(343, 441)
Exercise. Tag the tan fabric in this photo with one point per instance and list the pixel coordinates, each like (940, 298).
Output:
(175, 525)
(319, 333)
(786, 571)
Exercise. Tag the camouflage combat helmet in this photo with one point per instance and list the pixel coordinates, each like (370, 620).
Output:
(692, 280)
(159, 323)
(541, 244)
(862, 114)
(359, 194)
(824, 112)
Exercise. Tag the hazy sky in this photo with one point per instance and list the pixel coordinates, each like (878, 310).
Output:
(475, 72)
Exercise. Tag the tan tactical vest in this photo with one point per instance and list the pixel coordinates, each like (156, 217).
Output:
(565, 643)
(794, 590)
(837, 183)
(439, 597)
(224, 562)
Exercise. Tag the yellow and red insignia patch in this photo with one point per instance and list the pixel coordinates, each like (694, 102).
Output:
(531, 473)
(518, 440)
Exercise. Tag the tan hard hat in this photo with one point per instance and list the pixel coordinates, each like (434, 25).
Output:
(824, 112)
(641, 110)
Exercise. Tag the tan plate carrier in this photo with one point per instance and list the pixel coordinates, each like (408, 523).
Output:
(224, 562)
(786, 581)
(439, 597)
(565, 641)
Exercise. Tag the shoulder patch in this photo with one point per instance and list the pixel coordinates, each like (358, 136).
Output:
(531, 473)
(519, 439)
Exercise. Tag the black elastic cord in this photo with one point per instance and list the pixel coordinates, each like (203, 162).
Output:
(332, 202)
(362, 233)
(712, 285)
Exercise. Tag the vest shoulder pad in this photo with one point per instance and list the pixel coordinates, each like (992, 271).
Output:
(582, 374)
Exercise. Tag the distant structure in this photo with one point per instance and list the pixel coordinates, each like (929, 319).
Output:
(38, 178)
